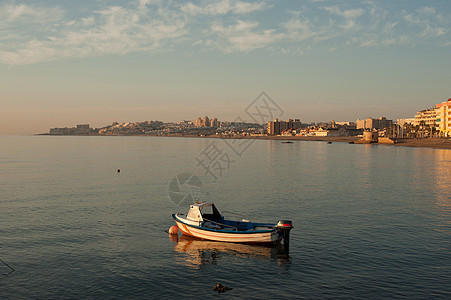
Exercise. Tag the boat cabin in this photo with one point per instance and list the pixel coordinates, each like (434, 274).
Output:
(204, 212)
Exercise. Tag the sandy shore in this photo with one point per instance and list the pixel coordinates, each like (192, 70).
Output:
(428, 142)
(411, 142)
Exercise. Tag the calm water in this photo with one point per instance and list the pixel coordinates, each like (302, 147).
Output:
(370, 221)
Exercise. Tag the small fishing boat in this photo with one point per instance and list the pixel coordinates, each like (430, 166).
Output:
(205, 222)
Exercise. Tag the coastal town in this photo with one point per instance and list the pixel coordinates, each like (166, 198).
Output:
(433, 122)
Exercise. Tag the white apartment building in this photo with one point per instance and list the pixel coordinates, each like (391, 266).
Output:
(428, 116)
(444, 118)
(401, 122)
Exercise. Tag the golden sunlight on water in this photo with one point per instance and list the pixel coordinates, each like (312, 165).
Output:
(196, 252)
(369, 220)
(442, 173)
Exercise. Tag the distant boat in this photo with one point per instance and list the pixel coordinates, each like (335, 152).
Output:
(287, 142)
(205, 222)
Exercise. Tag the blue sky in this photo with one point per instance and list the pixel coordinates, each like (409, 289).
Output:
(69, 62)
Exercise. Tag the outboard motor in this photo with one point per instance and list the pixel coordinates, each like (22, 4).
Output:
(285, 226)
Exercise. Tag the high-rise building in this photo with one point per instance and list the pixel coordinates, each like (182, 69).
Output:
(83, 129)
(371, 123)
(198, 122)
(361, 124)
(444, 118)
(56, 131)
(276, 127)
(206, 122)
(426, 116)
(214, 122)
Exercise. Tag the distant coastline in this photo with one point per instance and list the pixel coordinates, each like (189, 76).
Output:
(436, 143)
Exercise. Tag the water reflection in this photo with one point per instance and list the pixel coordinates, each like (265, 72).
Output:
(442, 174)
(197, 253)
(441, 177)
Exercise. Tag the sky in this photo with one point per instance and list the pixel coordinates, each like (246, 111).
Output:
(66, 62)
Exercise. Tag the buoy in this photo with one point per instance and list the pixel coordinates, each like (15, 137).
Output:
(173, 230)
(118, 170)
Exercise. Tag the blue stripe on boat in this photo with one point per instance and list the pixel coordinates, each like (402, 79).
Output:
(225, 230)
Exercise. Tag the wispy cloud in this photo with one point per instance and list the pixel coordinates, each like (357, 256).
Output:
(222, 7)
(379, 27)
(33, 33)
(427, 23)
(301, 28)
(10, 13)
(426, 10)
(243, 36)
(349, 15)
(113, 30)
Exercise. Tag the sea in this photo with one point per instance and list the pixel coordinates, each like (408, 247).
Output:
(86, 217)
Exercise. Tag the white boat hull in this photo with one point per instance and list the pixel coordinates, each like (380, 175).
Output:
(263, 236)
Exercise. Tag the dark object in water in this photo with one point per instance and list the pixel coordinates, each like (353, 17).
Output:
(287, 142)
(118, 170)
(329, 142)
(351, 142)
(220, 288)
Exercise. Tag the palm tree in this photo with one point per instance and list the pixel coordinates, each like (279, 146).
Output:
(422, 127)
(433, 131)
(428, 129)
(409, 129)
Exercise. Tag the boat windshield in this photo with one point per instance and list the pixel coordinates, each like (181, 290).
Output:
(210, 212)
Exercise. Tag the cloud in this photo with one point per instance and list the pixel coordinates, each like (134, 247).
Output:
(389, 27)
(223, 7)
(347, 14)
(10, 13)
(411, 19)
(113, 30)
(243, 36)
(33, 33)
(301, 28)
(373, 25)
(426, 10)
(24, 22)
(427, 23)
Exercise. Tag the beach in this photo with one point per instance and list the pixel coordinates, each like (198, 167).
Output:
(406, 142)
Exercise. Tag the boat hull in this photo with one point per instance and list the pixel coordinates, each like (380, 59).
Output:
(248, 237)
